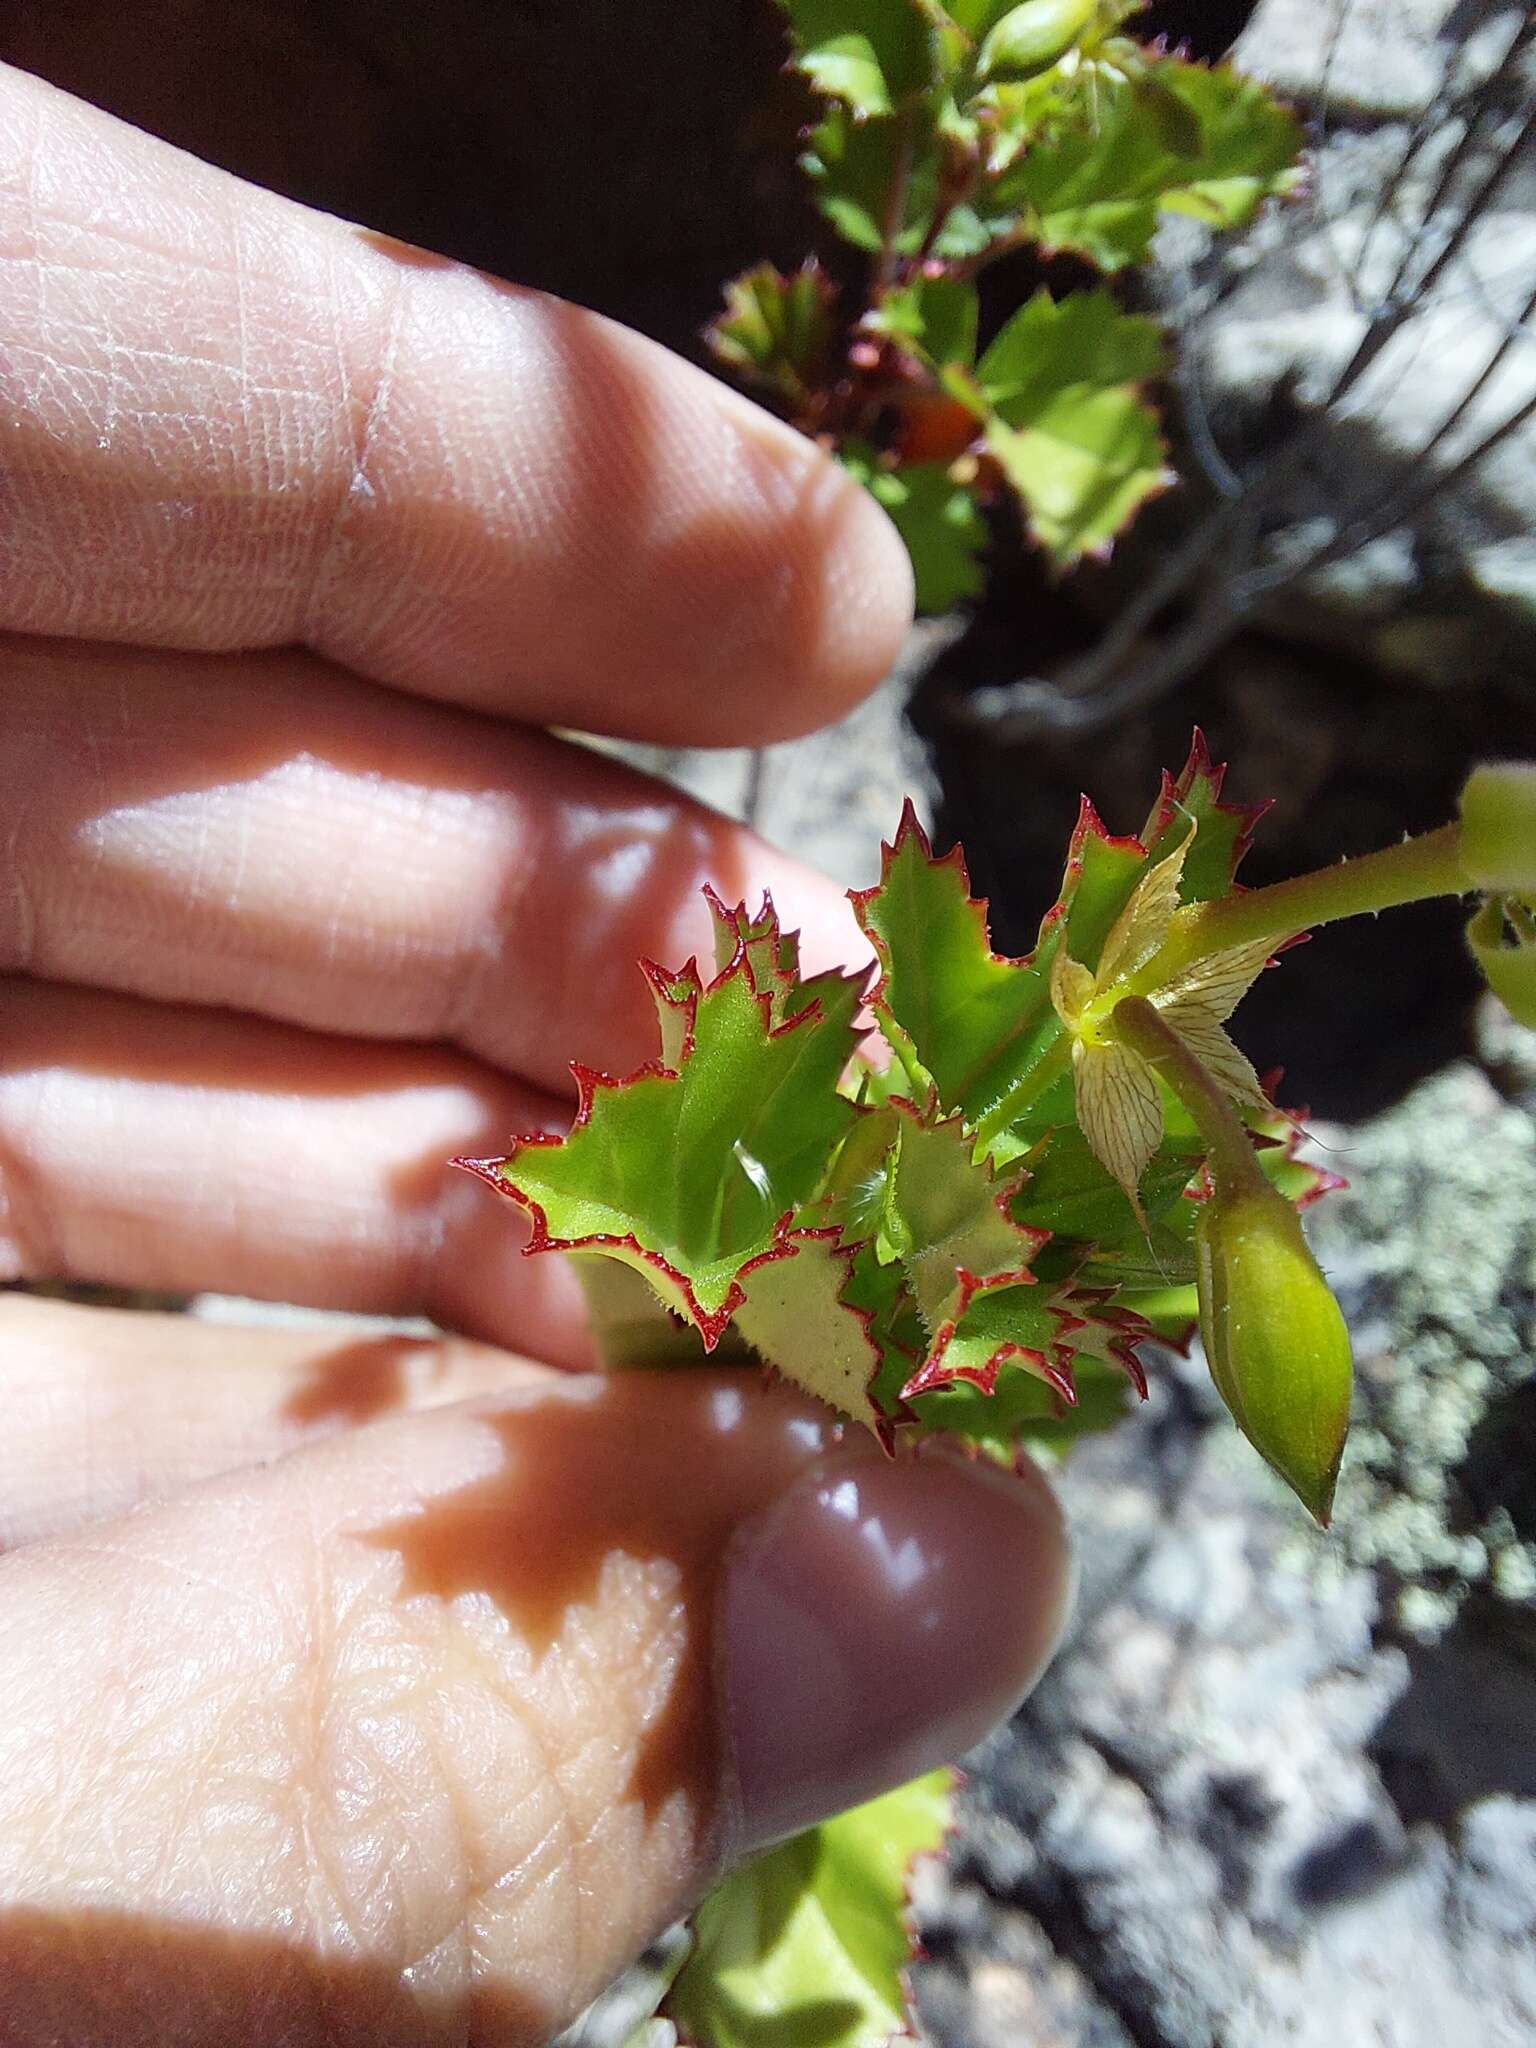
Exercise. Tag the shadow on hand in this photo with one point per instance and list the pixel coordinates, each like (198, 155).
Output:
(590, 1474)
(88, 1977)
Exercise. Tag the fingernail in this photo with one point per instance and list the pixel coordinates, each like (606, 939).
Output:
(879, 1620)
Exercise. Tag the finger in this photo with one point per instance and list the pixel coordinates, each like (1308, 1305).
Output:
(146, 1146)
(273, 835)
(230, 422)
(107, 1408)
(421, 1733)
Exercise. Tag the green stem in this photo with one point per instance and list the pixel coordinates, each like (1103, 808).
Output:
(895, 207)
(1417, 868)
(1046, 1071)
(1229, 1150)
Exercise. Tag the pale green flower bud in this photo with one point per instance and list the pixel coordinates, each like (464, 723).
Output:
(1274, 1338)
(1498, 827)
(1032, 37)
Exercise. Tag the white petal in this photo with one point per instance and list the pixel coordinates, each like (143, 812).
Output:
(1119, 1109)
(1227, 1067)
(1214, 987)
(1143, 923)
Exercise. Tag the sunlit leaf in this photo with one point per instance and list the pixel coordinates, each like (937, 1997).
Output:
(1067, 422)
(1178, 138)
(808, 1946)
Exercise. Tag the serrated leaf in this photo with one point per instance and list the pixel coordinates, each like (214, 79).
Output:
(938, 520)
(975, 1022)
(950, 1217)
(691, 1176)
(1067, 423)
(1178, 138)
(795, 1316)
(777, 330)
(630, 1326)
(869, 54)
(1102, 869)
(806, 1947)
(1223, 831)
(995, 1322)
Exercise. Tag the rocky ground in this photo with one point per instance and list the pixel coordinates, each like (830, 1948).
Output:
(1280, 1787)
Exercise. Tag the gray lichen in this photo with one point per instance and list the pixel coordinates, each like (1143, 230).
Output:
(1433, 1251)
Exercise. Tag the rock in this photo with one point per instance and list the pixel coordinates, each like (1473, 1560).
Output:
(1279, 1787)
(1266, 324)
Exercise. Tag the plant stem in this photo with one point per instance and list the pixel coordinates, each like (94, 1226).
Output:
(1406, 873)
(1046, 1071)
(895, 207)
(1229, 1150)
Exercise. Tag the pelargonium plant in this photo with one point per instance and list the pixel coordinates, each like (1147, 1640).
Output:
(951, 134)
(962, 1202)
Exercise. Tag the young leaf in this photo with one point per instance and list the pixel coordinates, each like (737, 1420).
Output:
(853, 165)
(1023, 1414)
(1066, 420)
(950, 1218)
(777, 331)
(806, 1947)
(1177, 138)
(1223, 832)
(932, 318)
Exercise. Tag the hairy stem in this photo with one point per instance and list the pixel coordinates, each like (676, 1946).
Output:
(1407, 873)
(1229, 1150)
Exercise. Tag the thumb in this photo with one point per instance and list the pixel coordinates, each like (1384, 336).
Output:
(420, 1734)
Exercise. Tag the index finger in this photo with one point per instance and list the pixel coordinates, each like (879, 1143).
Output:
(229, 422)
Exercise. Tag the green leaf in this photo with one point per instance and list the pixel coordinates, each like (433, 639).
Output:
(777, 331)
(949, 1217)
(806, 1947)
(938, 520)
(1067, 1192)
(932, 318)
(1176, 138)
(630, 1326)
(1024, 1414)
(957, 1012)
(869, 54)
(692, 1175)
(795, 1316)
(853, 166)
(1068, 425)
(1223, 832)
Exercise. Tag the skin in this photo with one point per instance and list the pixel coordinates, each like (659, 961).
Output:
(358, 1688)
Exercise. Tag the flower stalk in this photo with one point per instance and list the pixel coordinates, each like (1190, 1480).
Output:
(1410, 872)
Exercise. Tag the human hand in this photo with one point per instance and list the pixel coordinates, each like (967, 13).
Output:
(392, 1691)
